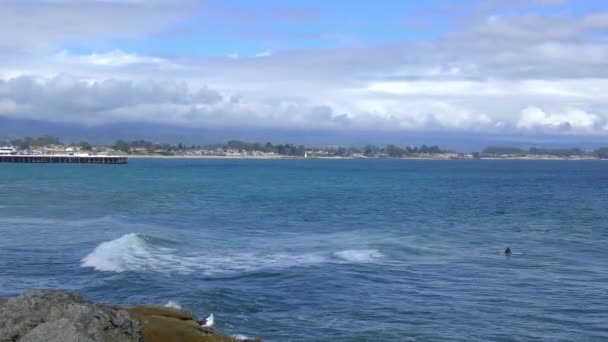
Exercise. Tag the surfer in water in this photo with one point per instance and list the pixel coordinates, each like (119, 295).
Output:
(508, 251)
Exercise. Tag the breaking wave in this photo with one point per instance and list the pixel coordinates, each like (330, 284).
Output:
(173, 305)
(130, 252)
(142, 253)
(359, 256)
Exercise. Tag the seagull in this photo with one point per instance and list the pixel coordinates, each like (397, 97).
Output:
(207, 322)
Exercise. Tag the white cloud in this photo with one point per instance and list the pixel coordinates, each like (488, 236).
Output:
(499, 74)
(440, 88)
(114, 58)
(265, 53)
(570, 119)
(262, 54)
(41, 25)
(7, 106)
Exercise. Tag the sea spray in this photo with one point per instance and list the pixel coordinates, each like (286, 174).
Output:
(142, 253)
(359, 256)
(173, 305)
(130, 252)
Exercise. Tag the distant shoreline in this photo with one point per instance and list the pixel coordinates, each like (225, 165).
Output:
(155, 156)
(544, 158)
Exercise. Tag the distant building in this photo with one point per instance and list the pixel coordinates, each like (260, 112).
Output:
(8, 151)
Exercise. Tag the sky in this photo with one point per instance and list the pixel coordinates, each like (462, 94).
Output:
(466, 68)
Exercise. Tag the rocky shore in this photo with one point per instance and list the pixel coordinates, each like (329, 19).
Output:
(48, 316)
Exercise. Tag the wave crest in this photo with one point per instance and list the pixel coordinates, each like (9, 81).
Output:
(173, 305)
(130, 252)
(141, 253)
(359, 255)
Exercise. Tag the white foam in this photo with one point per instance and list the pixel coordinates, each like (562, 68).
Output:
(249, 262)
(359, 255)
(135, 252)
(130, 252)
(173, 305)
(239, 337)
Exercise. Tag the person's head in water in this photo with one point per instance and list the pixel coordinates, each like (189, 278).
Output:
(508, 251)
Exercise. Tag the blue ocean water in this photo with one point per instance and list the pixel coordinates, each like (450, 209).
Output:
(323, 250)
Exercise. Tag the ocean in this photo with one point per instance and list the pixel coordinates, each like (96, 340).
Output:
(323, 250)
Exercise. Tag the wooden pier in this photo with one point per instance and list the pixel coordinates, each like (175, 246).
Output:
(63, 159)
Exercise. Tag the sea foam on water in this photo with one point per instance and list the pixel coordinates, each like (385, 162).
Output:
(173, 305)
(130, 252)
(141, 253)
(359, 256)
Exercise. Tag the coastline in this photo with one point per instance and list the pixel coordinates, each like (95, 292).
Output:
(156, 156)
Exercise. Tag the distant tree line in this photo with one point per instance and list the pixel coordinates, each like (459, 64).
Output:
(369, 150)
(148, 146)
(29, 142)
(281, 149)
(300, 150)
(47, 140)
(601, 153)
(396, 151)
(535, 151)
(241, 146)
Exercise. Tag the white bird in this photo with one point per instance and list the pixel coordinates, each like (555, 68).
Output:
(207, 322)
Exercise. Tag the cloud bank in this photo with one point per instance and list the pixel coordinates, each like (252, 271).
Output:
(502, 68)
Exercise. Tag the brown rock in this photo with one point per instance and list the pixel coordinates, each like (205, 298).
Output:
(170, 325)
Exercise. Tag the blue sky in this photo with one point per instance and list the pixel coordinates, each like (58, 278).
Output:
(482, 67)
(248, 27)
